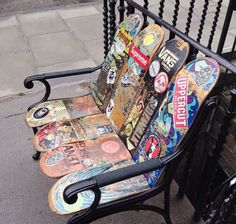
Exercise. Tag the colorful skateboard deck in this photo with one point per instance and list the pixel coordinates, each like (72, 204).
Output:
(109, 193)
(61, 110)
(142, 49)
(83, 155)
(165, 64)
(56, 110)
(59, 133)
(185, 95)
(115, 59)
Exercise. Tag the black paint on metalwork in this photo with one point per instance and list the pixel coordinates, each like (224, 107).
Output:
(105, 28)
(216, 17)
(202, 22)
(121, 9)
(190, 15)
(112, 16)
(145, 5)
(175, 16)
(130, 9)
(161, 8)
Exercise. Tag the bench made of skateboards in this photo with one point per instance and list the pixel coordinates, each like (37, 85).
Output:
(142, 105)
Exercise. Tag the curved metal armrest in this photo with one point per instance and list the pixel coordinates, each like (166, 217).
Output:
(101, 180)
(28, 82)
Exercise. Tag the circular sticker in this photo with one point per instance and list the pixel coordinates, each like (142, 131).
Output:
(149, 38)
(41, 112)
(152, 147)
(161, 82)
(154, 68)
(110, 147)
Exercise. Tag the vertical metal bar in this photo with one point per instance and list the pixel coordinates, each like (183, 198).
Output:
(231, 7)
(145, 5)
(112, 16)
(161, 8)
(105, 28)
(175, 17)
(231, 54)
(215, 21)
(202, 22)
(121, 9)
(190, 15)
(130, 9)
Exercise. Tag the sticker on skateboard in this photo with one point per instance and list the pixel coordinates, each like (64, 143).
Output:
(58, 133)
(167, 61)
(141, 51)
(109, 193)
(83, 155)
(185, 95)
(61, 110)
(56, 110)
(115, 59)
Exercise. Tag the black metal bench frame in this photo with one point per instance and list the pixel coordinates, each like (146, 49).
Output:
(171, 162)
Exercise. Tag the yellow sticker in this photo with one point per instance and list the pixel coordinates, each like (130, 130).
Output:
(149, 38)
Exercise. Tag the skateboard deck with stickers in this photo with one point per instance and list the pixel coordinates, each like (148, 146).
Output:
(61, 110)
(115, 59)
(185, 95)
(131, 77)
(83, 155)
(167, 61)
(65, 109)
(81, 129)
(109, 193)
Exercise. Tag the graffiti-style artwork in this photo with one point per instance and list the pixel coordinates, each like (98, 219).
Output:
(115, 59)
(83, 155)
(177, 112)
(109, 193)
(61, 110)
(63, 132)
(132, 74)
(167, 61)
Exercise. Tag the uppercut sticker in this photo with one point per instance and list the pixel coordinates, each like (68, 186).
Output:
(180, 102)
(161, 82)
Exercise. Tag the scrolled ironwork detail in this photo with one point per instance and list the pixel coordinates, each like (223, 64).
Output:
(190, 15)
(145, 5)
(112, 16)
(105, 28)
(215, 21)
(176, 11)
(161, 8)
(202, 22)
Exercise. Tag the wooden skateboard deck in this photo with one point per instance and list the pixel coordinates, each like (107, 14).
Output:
(85, 199)
(115, 59)
(65, 109)
(141, 51)
(185, 95)
(59, 133)
(165, 64)
(61, 110)
(83, 155)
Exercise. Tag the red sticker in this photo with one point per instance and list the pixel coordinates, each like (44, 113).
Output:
(139, 57)
(180, 102)
(161, 82)
(152, 147)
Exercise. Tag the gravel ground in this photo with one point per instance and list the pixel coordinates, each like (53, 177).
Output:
(8, 7)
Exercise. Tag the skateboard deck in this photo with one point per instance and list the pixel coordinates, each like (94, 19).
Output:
(61, 110)
(65, 109)
(164, 65)
(59, 133)
(109, 193)
(83, 155)
(141, 51)
(115, 59)
(185, 95)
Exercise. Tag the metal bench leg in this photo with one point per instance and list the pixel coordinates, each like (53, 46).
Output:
(167, 205)
(36, 156)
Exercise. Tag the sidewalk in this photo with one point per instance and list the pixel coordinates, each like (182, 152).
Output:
(34, 43)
